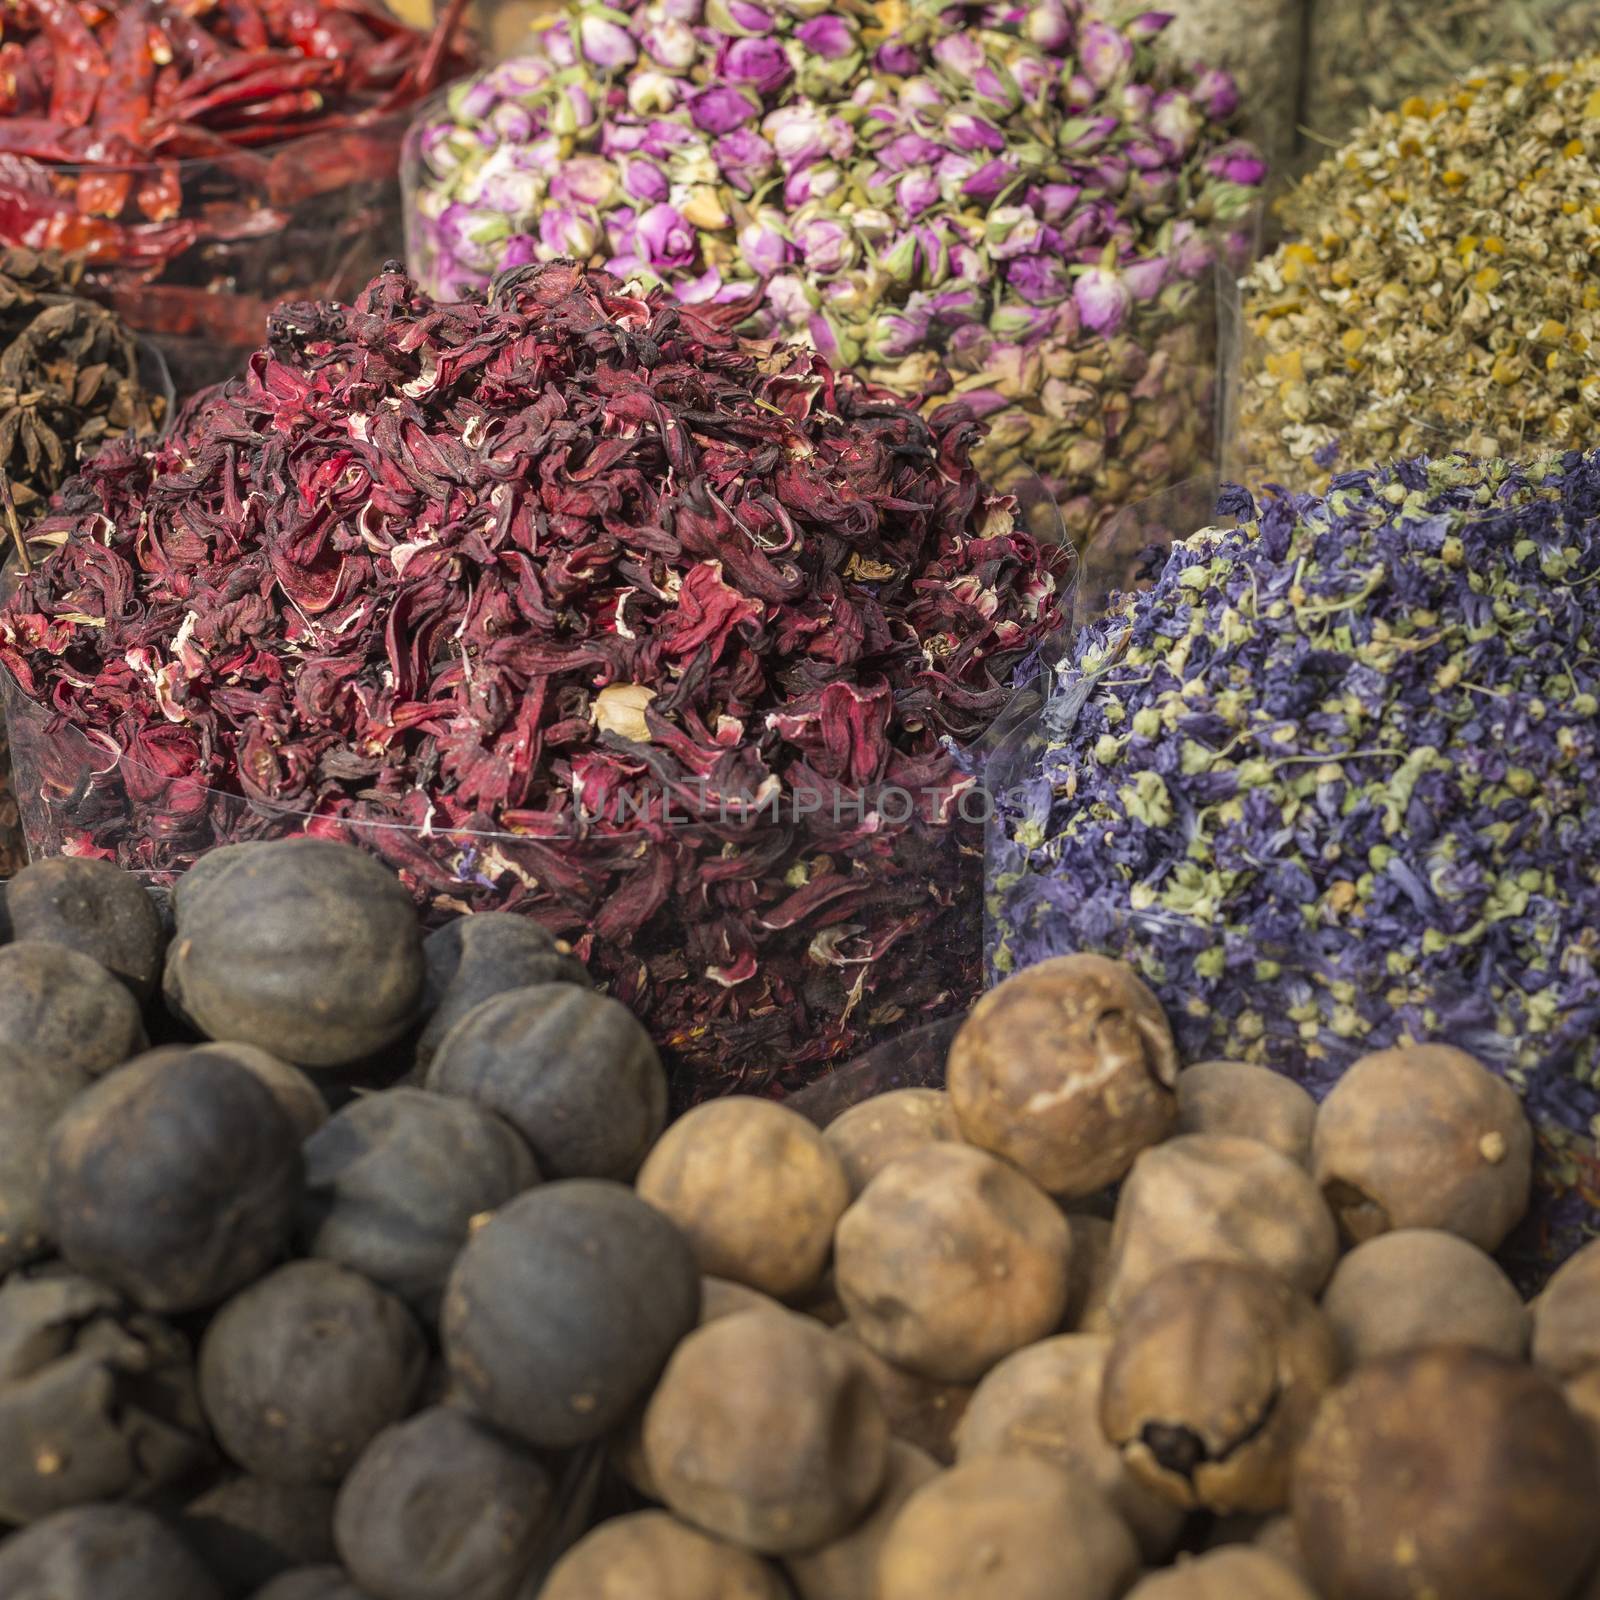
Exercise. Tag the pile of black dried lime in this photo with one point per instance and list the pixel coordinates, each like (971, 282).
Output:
(246, 1137)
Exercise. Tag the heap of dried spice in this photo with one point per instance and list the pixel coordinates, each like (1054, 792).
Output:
(1333, 782)
(208, 158)
(570, 602)
(1017, 206)
(1437, 291)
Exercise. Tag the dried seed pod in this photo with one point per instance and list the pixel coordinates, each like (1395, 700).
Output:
(563, 1308)
(1088, 1275)
(1566, 1316)
(1045, 1401)
(248, 1530)
(756, 1190)
(950, 1260)
(1007, 1528)
(1419, 1286)
(766, 1431)
(571, 1070)
(301, 1370)
(1211, 1382)
(305, 947)
(1215, 1196)
(97, 1400)
(921, 1411)
(176, 1181)
(1237, 1573)
(394, 1181)
(1447, 1471)
(312, 1583)
(1252, 1102)
(94, 908)
(61, 1012)
(653, 1556)
(439, 1507)
(1424, 1136)
(847, 1568)
(100, 1551)
(868, 1136)
(1068, 1070)
(475, 958)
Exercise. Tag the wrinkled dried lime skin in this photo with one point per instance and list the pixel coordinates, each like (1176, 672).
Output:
(1419, 1286)
(1067, 1070)
(94, 908)
(921, 1411)
(1216, 1196)
(1211, 1382)
(1447, 1471)
(1424, 1136)
(1252, 1102)
(1566, 1317)
(868, 1136)
(653, 1556)
(1237, 1573)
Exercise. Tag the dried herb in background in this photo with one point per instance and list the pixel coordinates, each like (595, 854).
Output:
(581, 566)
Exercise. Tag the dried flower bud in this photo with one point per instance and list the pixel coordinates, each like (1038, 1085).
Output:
(1212, 1380)
(1213, 1196)
(1566, 1317)
(1067, 1070)
(1448, 1471)
(868, 1136)
(1423, 1136)
(1253, 1102)
(1420, 1286)
(1236, 1573)
(950, 1260)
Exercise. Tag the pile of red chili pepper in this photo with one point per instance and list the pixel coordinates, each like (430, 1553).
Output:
(141, 131)
(570, 602)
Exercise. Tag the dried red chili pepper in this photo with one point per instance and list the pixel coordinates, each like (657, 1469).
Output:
(572, 602)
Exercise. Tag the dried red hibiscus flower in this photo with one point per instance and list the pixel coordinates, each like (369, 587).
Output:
(650, 632)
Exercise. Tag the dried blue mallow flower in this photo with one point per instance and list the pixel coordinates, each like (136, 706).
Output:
(1331, 783)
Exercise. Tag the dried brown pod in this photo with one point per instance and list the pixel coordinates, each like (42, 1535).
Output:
(764, 1430)
(921, 1411)
(1068, 1070)
(1253, 1102)
(868, 1136)
(1447, 1471)
(1566, 1316)
(1211, 1382)
(950, 1260)
(1007, 1528)
(1236, 1573)
(1088, 1275)
(1424, 1136)
(653, 1556)
(1219, 1197)
(1419, 1286)
(1045, 1401)
(755, 1189)
(847, 1569)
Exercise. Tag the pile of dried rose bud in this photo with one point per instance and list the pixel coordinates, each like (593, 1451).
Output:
(1279, 1360)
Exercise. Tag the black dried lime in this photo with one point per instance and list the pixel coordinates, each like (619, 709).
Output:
(305, 947)
(102, 1552)
(297, 1095)
(571, 1070)
(247, 1530)
(175, 1180)
(63, 1012)
(440, 1507)
(33, 1097)
(394, 1180)
(475, 958)
(97, 1400)
(301, 1370)
(563, 1309)
(312, 1583)
(94, 908)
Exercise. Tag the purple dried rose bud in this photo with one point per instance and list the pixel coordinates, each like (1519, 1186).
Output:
(520, 250)
(961, 55)
(1217, 94)
(1103, 300)
(830, 37)
(1146, 279)
(917, 191)
(896, 60)
(1049, 26)
(473, 237)
(672, 44)
(1040, 280)
(803, 134)
(663, 239)
(1012, 231)
(909, 150)
(790, 297)
(588, 180)
(827, 245)
(739, 17)
(763, 246)
(894, 334)
(511, 123)
(1239, 163)
(967, 132)
(643, 180)
(1149, 24)
(1021, 324)
(567, 232)
(811, 184)
(560, 46)
(761, 63)
(718, 110)
(990, 180)
(1192, 251)
(606, 44)
(1106, 53)
(744, 158)
(1176, 122)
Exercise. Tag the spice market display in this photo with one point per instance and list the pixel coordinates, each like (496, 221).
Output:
(1436, 288)
(1018, 207)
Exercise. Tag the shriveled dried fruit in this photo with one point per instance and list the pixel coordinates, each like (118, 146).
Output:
(765, 1430)
(1067, 1070)
(1424, 1136)
(1239, 1573)
(754, 1187)
(248, 1530)
(950, 1260)
(653, 1556)
(1088, 1275)
(63, 1012)
(1447, 1471)
(921, 1411)
(868, 1136)
(1045, 1401)
(298, 1097)
(72, 1555)
(1214, 1375)
(1215, 1196)
(1007, 1528)
(91, 907)
(301, 1370)
(325, 1582)
(1254, 1102)
(1420, 1286)
(1566, 1316)
(34, 1095)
